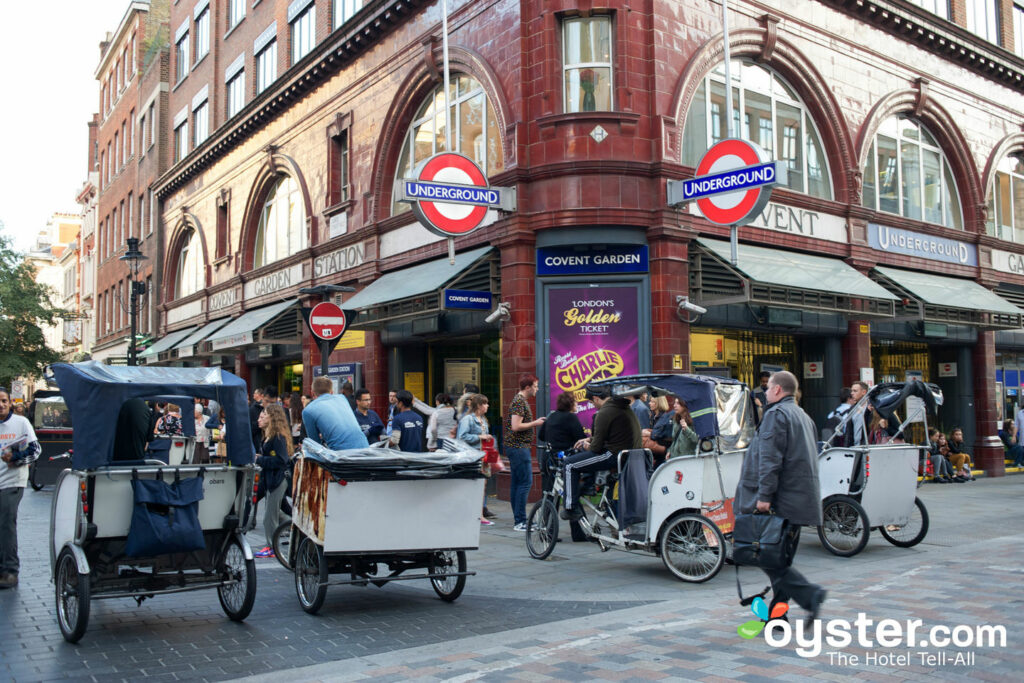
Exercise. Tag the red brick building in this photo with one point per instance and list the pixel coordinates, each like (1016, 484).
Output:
(900, 124)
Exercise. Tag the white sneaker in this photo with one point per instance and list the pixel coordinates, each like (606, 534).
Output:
(519, 527)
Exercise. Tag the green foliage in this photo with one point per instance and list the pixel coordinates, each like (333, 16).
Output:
(24, 306)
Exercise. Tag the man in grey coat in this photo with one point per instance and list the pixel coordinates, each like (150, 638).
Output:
(780, 473)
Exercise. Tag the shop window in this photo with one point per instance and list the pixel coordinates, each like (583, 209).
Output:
(773, 116)
(587, 63)
(189, 274)
(345, 10)
(983, 20)
(475, 130)
(282, 228)
(1006, 200)
(907, 174)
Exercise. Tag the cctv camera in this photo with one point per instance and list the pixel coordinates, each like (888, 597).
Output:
(687, 305)
(500, 313)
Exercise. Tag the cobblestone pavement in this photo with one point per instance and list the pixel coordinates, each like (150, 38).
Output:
(581, 615)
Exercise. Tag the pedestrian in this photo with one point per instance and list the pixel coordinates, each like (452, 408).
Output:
(275, 458)
(19, 449)
(347, 390)
(1014, 451)
(780, 474)
(170, 423)
(836, 416)
(201, 451)
(368, 419)
(519, 424)
(407, 425)
(392, 409)
(329, 419)
(759, 393)
(560, 431)
(472, 429)
(643, 413)
(295, 408)
(441, 422)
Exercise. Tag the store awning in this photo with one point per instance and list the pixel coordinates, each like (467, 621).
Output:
(417, 290)
(941, 299)
(187, 347)
(165, 343)
(786, 279)
(252, 327)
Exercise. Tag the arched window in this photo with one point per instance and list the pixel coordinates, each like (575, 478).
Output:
(474, 130)
(906, 173)
(282, 229)
(189, 278)
(1006, 200)
(773, 117)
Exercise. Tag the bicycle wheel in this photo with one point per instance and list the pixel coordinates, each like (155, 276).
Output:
(911, 533)
(542, 529)
(844, 528)
(238, 598)
(310, 576)
(692, 547)
(282, 543)
(72, 590)
(448, 588)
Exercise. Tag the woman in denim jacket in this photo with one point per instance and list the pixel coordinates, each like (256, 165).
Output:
(472, 426)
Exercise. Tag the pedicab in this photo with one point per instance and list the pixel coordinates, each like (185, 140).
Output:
(52, 424)
(137, 528)
(687, 515)
(371, 515)
(873, 486)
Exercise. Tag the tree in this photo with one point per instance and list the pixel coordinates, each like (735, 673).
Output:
(24, 306)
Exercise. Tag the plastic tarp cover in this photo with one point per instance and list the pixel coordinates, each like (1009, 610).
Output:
(95, 392)
(357, 463)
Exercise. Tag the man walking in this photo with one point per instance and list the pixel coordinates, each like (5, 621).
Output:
(519, 424)
(780, 474)
(18, 449)
(406, 425)
(328, 419)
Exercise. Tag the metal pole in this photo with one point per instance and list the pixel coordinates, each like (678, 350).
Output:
(133, 314)
(325, 352)
(730, 125)
(444, 52)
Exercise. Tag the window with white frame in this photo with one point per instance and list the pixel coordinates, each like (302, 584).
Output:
(131, 133)
(181, 57)
(142, 217)
(282, 228)
(907, 174)
(189, 277)
(266, 66)
(303, 33)
(345, 10)
(203, 33)
(181, 141)
(1018, 28)
(774, 117)
(152, 124)
(236, 94)
(201, 123)
(236, 11)
(142, 134)
(474, 130)
(983, 19)
(129, 224)
(939, 7)
(1006, 200)
(587, 63)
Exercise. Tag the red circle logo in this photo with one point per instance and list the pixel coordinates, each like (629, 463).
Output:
(455, 218)
(327, 321)
(739, 207)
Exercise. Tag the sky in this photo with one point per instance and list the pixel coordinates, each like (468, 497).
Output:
(50, 52)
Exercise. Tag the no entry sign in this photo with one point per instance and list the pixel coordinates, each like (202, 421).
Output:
(450, 195)
(327, 321)
(733, 182)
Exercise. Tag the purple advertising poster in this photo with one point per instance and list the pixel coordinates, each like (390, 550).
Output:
(594, 334)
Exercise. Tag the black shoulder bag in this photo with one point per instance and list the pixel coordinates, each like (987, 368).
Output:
(760, 540)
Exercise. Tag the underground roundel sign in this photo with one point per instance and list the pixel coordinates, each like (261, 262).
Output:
(327, 321)
(450, 195)
(733, 182)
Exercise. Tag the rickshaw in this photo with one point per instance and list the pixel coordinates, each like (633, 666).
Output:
(687, 514)
(873, 486)
(52, 424)
(373, 514)
(136, 528)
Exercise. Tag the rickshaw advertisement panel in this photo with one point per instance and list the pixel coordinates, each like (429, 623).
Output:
(594, 334)
(310, 498)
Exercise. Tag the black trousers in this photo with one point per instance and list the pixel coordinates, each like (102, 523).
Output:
(789, 584)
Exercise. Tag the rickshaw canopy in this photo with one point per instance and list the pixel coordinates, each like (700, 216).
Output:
(888, 396)
(94, 393)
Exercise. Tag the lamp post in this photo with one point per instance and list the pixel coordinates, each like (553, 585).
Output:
(134, 257)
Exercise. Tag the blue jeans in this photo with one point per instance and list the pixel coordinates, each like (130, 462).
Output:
(522, 480)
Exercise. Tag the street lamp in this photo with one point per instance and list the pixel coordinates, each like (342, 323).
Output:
(134, 257)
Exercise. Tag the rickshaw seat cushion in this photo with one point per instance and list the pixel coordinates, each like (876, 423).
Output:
(165, 517)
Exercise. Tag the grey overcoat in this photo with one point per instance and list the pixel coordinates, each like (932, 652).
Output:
(781, 465)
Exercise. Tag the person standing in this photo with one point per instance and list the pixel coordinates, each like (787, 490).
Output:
(407, 425)
(561, 430)
(347, 391)
(328, 419)
(472, 429)
(18, 449)
(519, 424)
(780, 474)
(643, 413)
(368, 419)
(392, 410)
(275, 458)
(759, 393)
(441, 422)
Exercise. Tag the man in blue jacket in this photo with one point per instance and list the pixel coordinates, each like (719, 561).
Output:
(329, 420)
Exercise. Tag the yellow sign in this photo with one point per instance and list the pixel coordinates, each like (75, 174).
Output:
(865, 329)
(677, 361)
(353, 339)
(413, 382)
(594, 365)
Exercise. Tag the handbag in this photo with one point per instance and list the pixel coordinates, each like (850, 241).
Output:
(165, 517)
(761, 540)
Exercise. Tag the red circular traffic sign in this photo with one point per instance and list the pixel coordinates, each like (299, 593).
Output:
(327, 321)
(741, 206)
(450, 219)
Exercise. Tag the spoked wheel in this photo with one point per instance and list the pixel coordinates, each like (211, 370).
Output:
(844, 526)
(911, 533)
(310, 576)
(448, 588)
(237, 598)
(72, 597)
(542, 529)
(692, 547)
(283, 542)
(36, 486)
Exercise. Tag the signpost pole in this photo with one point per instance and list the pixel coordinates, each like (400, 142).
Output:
(447, 108)
(730, 124)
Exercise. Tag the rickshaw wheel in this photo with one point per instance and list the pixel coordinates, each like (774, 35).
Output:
(32, 477)
(542, 529)
(692, 547)
(237, 599)
(911, 533)
(448, 562)
(282, 543)
(310, 576)
(844, 528)
(72, 588)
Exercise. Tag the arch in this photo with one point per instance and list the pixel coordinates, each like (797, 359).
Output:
(275, 165)
(767, 49)
(175, 245)
(1014, 142)
(408, 97)
(917, 103)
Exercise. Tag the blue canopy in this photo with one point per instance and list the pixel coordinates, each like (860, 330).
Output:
(94, 393)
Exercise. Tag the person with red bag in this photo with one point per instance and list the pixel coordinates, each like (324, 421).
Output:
(473, 430)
